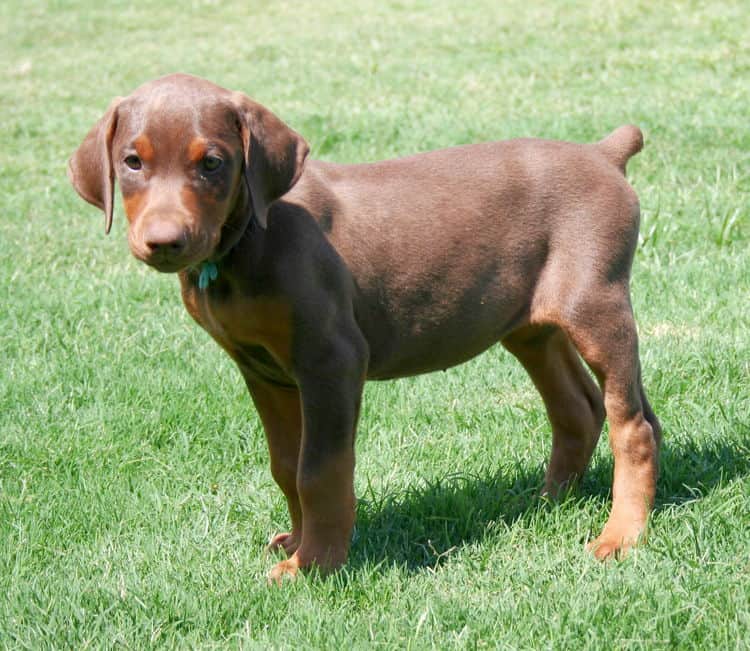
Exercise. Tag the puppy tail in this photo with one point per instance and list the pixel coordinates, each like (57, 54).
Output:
(621, 144)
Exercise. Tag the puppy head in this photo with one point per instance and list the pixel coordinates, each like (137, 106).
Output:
(194, 162)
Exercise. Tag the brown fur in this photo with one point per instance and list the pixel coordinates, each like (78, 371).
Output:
(332, 274)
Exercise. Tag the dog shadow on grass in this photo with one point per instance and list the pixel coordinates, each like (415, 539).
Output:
(422, 525)
(417, 527)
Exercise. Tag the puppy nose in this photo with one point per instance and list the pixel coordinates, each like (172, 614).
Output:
(166, 237)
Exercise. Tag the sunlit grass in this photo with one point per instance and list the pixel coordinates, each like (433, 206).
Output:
(135, 495)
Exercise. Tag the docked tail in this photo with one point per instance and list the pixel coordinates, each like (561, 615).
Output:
(621, 144)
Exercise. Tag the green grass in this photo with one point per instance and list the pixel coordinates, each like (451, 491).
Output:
(135, 495)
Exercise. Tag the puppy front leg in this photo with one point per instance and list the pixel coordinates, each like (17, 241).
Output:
(331, 389)
(280, 412)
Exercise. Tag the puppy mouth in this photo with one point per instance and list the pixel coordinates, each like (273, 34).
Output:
(168, 266)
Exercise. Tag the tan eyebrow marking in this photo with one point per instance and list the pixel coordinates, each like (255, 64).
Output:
(144, 148)
(197, 149)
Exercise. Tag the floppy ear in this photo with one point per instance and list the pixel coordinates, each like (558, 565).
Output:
(90, 167)
(274, 154)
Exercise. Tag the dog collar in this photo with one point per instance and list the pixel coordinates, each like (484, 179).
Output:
(208, 272)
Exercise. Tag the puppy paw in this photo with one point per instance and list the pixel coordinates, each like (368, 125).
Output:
(303, 560)
(287, 542)
(614, 544)
(283, 571)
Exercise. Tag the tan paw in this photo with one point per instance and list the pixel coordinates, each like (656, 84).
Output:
(287, 542)
(615, 543)
(285, 570)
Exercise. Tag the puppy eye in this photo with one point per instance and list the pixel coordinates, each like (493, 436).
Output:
(133, 162)
(211, 163)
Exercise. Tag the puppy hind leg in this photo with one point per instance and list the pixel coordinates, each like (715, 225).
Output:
(572, 399)
(604, 332)
(648, 412)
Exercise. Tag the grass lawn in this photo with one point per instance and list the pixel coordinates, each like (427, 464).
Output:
(135, 493)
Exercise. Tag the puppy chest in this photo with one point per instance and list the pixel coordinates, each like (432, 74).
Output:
(237, 321)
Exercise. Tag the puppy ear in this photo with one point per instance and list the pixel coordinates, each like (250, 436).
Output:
(274, 154)
(90, 167)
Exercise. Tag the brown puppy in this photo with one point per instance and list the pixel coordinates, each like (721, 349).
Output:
(315, 277)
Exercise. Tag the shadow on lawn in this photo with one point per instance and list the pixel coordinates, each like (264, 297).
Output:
(418, 527)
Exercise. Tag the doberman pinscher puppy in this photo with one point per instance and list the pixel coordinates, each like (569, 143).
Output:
(315, 276)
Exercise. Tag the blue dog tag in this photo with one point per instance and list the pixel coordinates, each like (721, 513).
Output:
(209, 272)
